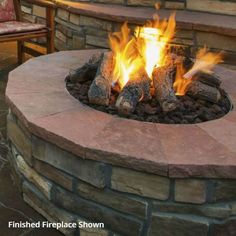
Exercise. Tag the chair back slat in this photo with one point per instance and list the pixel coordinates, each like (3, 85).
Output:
(7, 10)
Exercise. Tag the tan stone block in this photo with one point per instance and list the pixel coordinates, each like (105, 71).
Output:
(217, 211)
(3, 119)
(142, 184)
(92, 172)
(186, 34)
(214, 6)
(3, 105)
(78, 42)
(74, 19)
(40, 20)
(59, 45)
(95, 32)
(39, 11)
(55, 175)
(29, 18)
(178, 225)
(113, 199)
(111, 1)
(182, 41)
(233, 208)
(143, 2)
(25, 9)
(19, 139)
(63, 14)
(61, 36)
(52, 213)
(190, 190)
(90, 47)
(31, 175)
(97, 41)
(93, 231)
(68, 26)
(216, 41)
(15, 174)
(114, 220)
(174, 5)
(96, 23)
(224, 190)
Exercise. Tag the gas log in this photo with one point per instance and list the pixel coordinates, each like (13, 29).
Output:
(163, 78)
(206, 78)
(86, 72)
(137, 89)
(203, 91)
(100, 89)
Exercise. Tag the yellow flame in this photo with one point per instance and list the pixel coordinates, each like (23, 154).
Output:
(180, 84)
(205, 61)
(147, 48)
(126, 55)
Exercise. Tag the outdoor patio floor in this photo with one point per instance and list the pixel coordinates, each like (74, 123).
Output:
(12, 206)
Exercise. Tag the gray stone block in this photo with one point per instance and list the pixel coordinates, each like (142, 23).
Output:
(55, 175)
(112, 220)
(148, 185)
(89, 171)
(19, 139)
(112, 199)
(190, 190)
(217, 211)
(225, 228)
(31, 175)
(224, 190)
(163, 224)
(52, 213)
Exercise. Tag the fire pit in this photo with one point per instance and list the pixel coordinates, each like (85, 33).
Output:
(74, 163)
(146, 78)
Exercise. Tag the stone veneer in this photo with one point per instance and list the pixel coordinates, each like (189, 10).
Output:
(86, 24)
(73, 163)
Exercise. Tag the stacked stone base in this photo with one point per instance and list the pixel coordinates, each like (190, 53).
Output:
(66, 188)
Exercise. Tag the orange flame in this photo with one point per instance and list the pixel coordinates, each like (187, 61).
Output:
(147, 48)
(181, 84)
(205, 61)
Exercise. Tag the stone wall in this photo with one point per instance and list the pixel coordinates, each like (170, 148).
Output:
(65, 187)
(227, 7)
(74, 31)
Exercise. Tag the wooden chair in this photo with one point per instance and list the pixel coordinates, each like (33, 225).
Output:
(12, 27)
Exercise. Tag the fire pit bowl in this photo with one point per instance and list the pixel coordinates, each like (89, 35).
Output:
(76, 164)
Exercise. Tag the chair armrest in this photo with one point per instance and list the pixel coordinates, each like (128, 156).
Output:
(42, 3)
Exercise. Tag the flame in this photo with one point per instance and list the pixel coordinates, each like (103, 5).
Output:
(205, 61)
(126, 55)
(146, 48)
(180, 84)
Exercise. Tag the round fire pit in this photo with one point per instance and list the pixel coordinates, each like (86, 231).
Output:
(77, 164)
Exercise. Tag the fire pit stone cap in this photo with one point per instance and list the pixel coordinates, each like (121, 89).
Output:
(36, 94)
